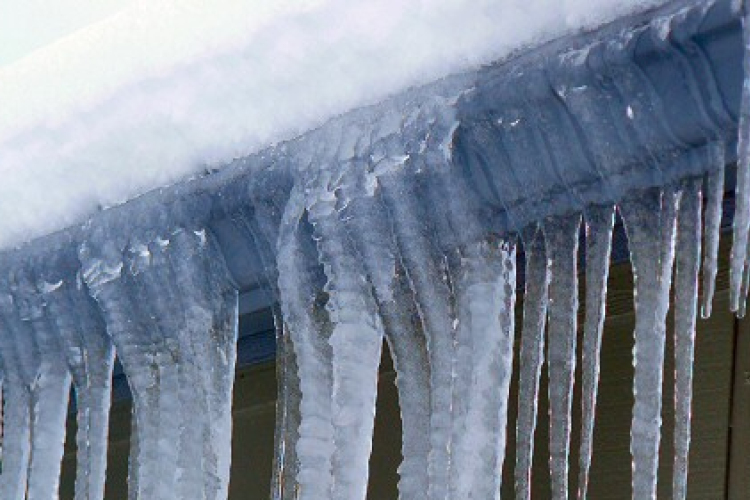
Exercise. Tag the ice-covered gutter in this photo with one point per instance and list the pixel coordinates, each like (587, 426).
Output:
(407, 212)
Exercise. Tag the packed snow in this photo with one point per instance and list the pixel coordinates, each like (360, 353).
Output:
(159, 90)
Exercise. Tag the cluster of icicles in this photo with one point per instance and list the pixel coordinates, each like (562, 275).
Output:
(448, 318)
(378, 239)
(162, 300)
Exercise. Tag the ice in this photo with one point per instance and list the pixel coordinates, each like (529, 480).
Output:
(531, 356)
(486, 302)
(50, 385)
(177, 350)
(16, 357)
(713, 200)
(561, 235)
(422, 264)
(356, 341)
(741, 223)
(649, 218)
(367, 223)
(90, 359)
(299, 279)
(599, 222)
(687, 264)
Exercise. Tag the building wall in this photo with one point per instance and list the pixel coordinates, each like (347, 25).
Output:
(715, 444)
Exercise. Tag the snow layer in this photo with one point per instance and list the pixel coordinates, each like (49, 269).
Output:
(156, 92)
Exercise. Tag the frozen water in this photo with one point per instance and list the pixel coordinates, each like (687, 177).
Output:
(561, 236)
(177, 349)
(714, 196)
(531, 356)
(599, 222)
(687, 264)
(649, 220)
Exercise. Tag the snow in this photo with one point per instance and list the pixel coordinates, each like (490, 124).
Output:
(159, 90)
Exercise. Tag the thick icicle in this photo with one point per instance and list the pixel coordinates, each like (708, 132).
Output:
(151, 375)
(368, 226)
(90, 357)
(432, 293)
(531, 357)
(599, 222)
(50, 388)
(561, 234)
(686, 296)
(649, 219)
(356, 342)
(16, 358)
(309, 330)
(738, 258)
(210, 307)
(177, 349)
(486, 309)
(713, 200)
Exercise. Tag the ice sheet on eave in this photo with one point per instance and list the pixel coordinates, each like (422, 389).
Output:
(154, 94)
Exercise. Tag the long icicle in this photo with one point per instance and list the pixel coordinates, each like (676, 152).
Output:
(531, 357)
(90, 356)
(713, 201)
(487, 306)
(356, 342)
(562, 251)
(50, 390)
(297, 291)
(17, 405)
(686, 297)
(738, 258)
(649, 221)
(368, 225)
(599, 222)
(433, 297)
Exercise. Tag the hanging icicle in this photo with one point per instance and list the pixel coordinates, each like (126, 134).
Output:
(531, 356)
(714, 188)
(599, 222)
(741, 224)
(649, 218)
(90, 357)
(561, 236)
(687, 264)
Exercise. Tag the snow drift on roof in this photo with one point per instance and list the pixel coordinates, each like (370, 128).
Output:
(153, 94)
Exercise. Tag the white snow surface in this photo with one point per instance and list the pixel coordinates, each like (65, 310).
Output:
(163, 88)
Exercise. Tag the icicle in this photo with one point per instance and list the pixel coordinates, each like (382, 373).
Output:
(599, 223)
(433, 296)
(286, 435)
(50, 388)
(531, 357)
(738, 258)
(368, 226)
(90, 358)
(649, 219)
(486, 303)
(137, 348)
(562, 251)
(210, 309)
(408, 348)
(17, 405)
(686, 297)
(714, 198)
(356, 342)
(309, 332)
(259, 224)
